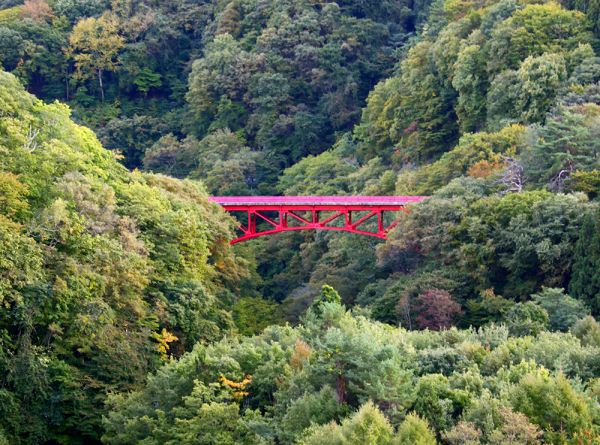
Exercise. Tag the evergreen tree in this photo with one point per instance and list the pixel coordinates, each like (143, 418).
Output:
(585, 277)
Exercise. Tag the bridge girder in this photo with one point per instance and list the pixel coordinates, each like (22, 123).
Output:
(356, 213)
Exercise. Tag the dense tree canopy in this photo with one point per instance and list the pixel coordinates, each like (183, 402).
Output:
(125, 316)
(343, 379)
(102, 272)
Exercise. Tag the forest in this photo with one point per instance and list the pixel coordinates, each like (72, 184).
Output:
(126, 317)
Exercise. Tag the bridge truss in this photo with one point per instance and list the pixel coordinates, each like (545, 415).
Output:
(365, 215)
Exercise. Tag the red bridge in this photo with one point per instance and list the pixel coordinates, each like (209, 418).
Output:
(366, 215)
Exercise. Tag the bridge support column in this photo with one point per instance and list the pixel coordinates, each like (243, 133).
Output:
(251, 222)
(283, 220)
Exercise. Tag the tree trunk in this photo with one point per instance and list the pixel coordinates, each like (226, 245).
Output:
(101, 86)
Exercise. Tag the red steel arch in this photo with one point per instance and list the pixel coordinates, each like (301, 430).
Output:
(356, 211)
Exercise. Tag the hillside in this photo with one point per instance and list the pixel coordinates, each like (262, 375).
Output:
(101, 270)
(126, 317)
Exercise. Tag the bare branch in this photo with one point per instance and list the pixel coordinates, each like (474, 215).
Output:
(31, 139)
(512, 177)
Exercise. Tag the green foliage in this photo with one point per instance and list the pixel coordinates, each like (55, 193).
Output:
(489, 106)
(309, 410)
(553, 404)
(585, 282)
(291, 79)
(510, 243)
(146, 80)
(217, 423)
(94, 45)
(540, 80)
(437, 402)
(325, 174)
(336, 363)
(367, 425)
(476, 154)
(97, 263)
(588, 182)
(566, 144)
(484, 69)
(21, 262)
(414, 430)
(537, 29)
(470, 81)
(526, 319)
(253, 314)
(563, 310)
(413, 112)
(587, 330)
(220, 159)
(327, 295)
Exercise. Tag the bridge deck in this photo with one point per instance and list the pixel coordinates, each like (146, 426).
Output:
(315, 201)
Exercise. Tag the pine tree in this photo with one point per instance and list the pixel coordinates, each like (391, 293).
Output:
(585, 278)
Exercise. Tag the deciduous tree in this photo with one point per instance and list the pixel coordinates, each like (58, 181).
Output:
(94, 45)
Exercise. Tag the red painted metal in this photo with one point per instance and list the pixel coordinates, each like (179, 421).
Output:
(286, 211)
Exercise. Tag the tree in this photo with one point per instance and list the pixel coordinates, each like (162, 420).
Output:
(223, 73)
(568, 143)
(585, 280)
(540, 81)
(253, 314)
(502, 98)
(534, 30)
(147, 79)
(516, 429)
(526, 319)
(136, 265)
(471, 82)
(311, 409)
(587, 330)
(327, 295)
(37, 10)
(94, 45)
(20, 264)
(414, 430)
(483, 152)
(13, 203)
(437, 402)
(325, 174)
(217, 423)
(367, 425)
(463, 433)
(563, 310)
(586, 181)
(132, 136)
(221, 159)
(553, 404)
(352, 355)
(74, 10)
(436, 309)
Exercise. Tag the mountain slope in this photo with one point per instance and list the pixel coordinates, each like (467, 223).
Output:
(102, 271)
